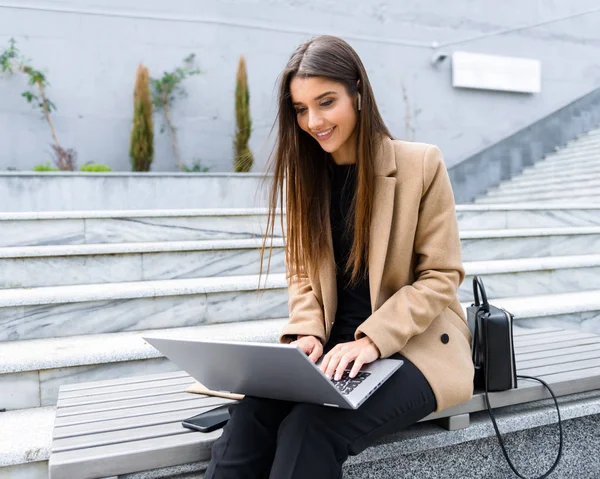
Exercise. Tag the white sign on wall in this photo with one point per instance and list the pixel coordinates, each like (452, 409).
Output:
(493, 72)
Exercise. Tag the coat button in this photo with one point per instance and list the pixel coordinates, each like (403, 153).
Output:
(445, 338)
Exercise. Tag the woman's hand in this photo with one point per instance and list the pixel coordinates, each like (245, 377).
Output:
(310, 345)
(362, 351)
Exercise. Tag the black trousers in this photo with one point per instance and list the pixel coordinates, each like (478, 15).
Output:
(268, 438)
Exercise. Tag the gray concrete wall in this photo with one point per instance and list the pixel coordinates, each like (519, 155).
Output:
(29, 191)
(90, 51)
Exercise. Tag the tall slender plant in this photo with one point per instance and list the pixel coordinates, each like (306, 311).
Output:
(141, 148)
(242, 154)
(13, 61)
(164, 92)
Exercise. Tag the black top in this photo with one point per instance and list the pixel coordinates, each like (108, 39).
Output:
(354, 303)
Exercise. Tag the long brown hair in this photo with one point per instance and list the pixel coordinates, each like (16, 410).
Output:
(299, 162)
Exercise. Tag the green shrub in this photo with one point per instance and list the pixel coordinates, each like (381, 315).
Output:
(45, 167)
(141, 148)
(94, 168)
(197, 167)
(242, 154)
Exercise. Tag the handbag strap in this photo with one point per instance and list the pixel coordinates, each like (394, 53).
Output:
(478, 285)
(501, 441)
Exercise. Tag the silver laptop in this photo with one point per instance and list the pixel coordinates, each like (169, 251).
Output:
(277, 371)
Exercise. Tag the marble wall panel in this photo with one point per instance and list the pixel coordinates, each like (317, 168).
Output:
(481, 220)
(552, 218)
(11, 323)
(193, 228)
(93, 317)
(199, 264)
(41, 232)
(19, 390)
(247, 305)
(66, 270)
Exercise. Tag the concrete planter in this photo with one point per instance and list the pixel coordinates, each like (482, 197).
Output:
(60, 191)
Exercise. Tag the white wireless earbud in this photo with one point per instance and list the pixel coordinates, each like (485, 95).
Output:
(359, 101)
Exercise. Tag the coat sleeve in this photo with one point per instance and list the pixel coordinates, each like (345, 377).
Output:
(438, 271)
(306, 312)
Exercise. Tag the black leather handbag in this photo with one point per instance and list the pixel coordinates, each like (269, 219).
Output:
(494, 359)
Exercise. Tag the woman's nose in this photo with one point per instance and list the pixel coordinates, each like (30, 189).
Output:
(315, 120)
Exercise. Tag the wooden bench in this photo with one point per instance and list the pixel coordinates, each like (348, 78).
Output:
(114, 427)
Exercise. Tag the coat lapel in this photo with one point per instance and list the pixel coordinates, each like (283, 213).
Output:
(381, 223)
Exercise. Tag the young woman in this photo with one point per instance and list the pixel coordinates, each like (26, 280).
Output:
(373, 266)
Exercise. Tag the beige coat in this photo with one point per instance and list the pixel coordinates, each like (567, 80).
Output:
(415, 269)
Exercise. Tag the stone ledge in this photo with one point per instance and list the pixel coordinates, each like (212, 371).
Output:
(136, 289)
(166, 213)
(52, 353)
(132, 248)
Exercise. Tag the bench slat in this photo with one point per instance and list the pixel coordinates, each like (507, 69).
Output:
(90, 417)
(130, 422)
(119, 436)
(552, 347)
(124, 404)
(125, 387)
(560, 367)
(128, 380)
(123, 395)
(143, 455)
(535, 362)
(560, 352)
(553, 339)
(520, 331)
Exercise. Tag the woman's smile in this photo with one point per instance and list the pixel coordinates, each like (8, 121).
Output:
(325, 134)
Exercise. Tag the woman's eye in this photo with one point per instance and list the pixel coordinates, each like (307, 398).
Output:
(299, 111)
(327, 103)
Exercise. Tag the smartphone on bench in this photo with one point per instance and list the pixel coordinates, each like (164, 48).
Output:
(208, 420)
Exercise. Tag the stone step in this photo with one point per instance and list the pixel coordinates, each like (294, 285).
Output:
(60, 311)
(487, 245)
(57, 265)
(35, 369)
(529, 175)
(63, 265)
(565, 166)
(533, 276)
(512, 216)
(579, 142)
(127, 226)
(588, 161)
(577, 194)
(519, 183)
(25, 443)
(573, 155)
(51, 311)
(543, 187)
(147, 226)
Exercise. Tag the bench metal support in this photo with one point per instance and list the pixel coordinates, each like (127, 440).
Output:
(453, 423)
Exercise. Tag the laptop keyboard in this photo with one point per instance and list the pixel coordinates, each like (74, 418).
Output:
(346, 384)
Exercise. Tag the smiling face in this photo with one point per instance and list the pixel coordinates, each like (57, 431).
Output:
(326, 111)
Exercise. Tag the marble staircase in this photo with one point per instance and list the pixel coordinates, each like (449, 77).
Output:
(571, 173)
(79, 290)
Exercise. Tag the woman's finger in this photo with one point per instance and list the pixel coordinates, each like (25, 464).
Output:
(316, 352)
(358, 363)
(333, 362)
(343, 364)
